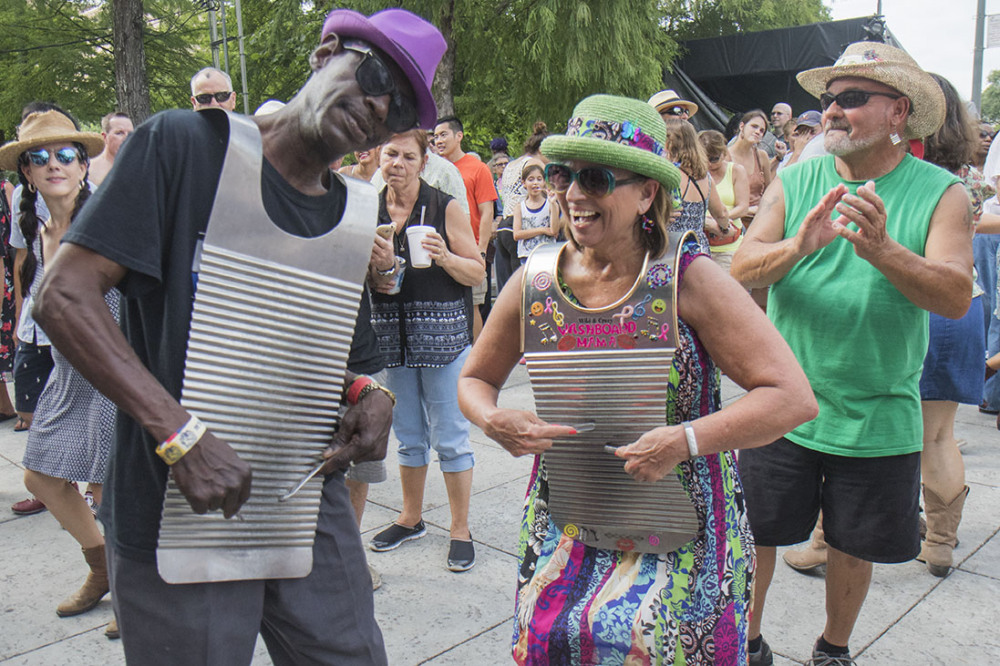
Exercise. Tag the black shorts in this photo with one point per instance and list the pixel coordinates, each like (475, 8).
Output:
(870, 505)
(32, 365)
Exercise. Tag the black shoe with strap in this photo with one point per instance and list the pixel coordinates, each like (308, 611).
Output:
(396, 535)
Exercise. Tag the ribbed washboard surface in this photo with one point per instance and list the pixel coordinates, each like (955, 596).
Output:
(609, 366)
(624, 393)
(266, 378)
(271, 331)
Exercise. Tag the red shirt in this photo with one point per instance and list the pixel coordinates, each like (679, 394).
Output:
(479, 186)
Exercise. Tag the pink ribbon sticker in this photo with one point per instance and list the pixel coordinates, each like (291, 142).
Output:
(626, 313)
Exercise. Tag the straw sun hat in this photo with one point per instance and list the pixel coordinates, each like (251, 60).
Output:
(617, 132)
(668, 98)
(892, 67)
(39, 129)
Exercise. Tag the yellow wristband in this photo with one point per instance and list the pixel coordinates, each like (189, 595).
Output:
(182, 441)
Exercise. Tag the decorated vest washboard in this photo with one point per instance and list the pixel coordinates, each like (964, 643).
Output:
(271, 331)
(609, 366)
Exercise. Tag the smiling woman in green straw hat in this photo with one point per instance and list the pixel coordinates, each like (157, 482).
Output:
(601, 308)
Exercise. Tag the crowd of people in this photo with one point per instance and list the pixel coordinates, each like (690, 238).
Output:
(846, 228)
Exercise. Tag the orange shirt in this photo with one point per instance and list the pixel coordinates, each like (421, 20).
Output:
(479, 186)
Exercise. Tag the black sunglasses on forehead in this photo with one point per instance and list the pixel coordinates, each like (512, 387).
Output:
(220, 97)
(376, 79)
(854, 99)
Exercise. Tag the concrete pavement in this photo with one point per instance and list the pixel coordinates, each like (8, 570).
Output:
(432, 616)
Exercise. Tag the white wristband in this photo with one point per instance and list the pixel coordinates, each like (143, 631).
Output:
(692, 441)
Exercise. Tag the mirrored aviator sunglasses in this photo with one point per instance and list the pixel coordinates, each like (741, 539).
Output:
(375, 78)
(593, 181)
(41, 156)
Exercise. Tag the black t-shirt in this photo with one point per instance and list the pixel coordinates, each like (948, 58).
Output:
(148, 216)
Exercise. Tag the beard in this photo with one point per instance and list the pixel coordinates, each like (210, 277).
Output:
(845, 142)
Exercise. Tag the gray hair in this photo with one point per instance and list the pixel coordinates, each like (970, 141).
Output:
(204, 73)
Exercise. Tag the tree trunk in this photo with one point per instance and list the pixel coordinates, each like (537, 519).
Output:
(131, 82)
(445, 75)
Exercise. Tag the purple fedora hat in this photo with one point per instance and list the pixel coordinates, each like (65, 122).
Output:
(413, 43)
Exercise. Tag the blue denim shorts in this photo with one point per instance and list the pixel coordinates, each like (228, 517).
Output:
(956, 358)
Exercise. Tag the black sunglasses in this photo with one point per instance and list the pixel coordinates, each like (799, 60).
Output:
(375, 78)
(852, 99)
(41, 156)
(594, 181)
(220, 97)
(676, 111)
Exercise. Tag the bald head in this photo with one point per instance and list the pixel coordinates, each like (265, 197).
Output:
(781, 113)
(208, 85)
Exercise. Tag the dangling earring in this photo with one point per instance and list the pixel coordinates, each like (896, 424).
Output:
(83, 184)
(32, 188)
(894, 137)
(647, 224)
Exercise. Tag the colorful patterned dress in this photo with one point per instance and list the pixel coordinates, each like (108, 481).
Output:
(582, 605)
(7, 316)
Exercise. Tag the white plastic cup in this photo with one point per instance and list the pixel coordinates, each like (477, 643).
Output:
(419, 257)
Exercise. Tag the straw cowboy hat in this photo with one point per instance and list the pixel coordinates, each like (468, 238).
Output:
(892, 67)
(667, 98)
(39, 129)
(617, 132)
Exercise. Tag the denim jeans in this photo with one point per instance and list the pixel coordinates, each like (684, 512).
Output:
(984, 249)
(427, 416)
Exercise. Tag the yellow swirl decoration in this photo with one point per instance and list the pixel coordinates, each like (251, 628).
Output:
(571, 531)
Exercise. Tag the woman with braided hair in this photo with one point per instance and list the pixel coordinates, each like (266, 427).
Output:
(70, 435)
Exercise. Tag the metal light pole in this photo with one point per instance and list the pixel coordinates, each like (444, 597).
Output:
(213, 6)
(977, 56)
(213, 33)
(243, 59)
(225, 39)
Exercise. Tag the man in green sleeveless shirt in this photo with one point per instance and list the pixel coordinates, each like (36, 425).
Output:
(859, 245)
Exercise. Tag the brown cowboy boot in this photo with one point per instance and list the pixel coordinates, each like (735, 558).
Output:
(942, 530)
(112, 632)
(94, 588)
(812, 556)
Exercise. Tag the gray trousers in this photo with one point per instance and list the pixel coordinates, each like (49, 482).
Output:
(328, 617)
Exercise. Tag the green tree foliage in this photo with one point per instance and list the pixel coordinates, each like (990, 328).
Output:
(514, 61)
(697, 19)
(61, 51)
(50, 50)
(990, 111)
(279, 35)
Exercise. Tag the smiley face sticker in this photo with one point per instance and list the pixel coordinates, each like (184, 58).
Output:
(537, 309)
(659, 306)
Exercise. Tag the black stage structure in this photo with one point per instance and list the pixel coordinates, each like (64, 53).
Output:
(755, 70)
